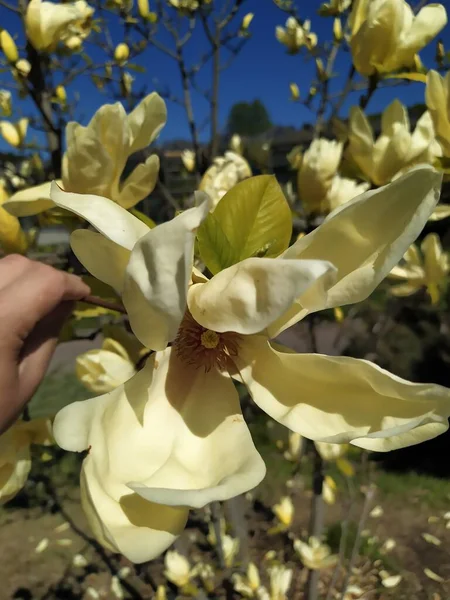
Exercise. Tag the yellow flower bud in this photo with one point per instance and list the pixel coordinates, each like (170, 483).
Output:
(9, 47)
(60, 93)
(337, 30)
(321, 73)
(5, 102)
(440, 52)
(143, 8)
(246, 21)
(121, 53)
(295, 92)
(14, 133)
(22, 67)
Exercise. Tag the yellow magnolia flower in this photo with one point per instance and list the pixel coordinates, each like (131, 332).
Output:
(15, 457)
(14, 133)
(437, 97)
(187, 6)
(331, 452)
(188, 160)
(248, 585)
(315, 175)
(294, 35)
(103, 370)
(12, 236)
(157, 448)
(143, 8)
(8, 45)
(342, 190)
(236, 144)
(225, 172)
(334, 7)
(248, 18)
(178, 570)
(295, 443)
(428, 270)
(61, 94)
(22, 68)
(284, 511)
(329, 489)
(386, 35)
(48, 23)
(5, 102)
(396, 149)
(280, 582)
(295, 92)
(230, 547)
(121, 53)
(96, 156)
(315, 555)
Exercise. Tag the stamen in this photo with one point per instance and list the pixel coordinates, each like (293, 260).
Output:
(203, 347)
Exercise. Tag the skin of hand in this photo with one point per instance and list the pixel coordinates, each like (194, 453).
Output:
(35, 300)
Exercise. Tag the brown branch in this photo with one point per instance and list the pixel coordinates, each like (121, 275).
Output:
(97, 301)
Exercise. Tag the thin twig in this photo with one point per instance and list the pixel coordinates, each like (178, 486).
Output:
(97, 301)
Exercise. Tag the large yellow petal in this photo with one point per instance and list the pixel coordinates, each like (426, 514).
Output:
(110, 219)
(140, 183)
(102, 370)
(30, 201)
(365, 238)
(172, 435)
(252, 294)
(341, 399)
(103, 258)
(146, 121)
(158, 275)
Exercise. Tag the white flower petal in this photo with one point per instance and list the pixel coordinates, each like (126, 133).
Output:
(30, 201)
(110, 219)
(365, 238)
(103, 258)
(250, 295)
(341, 399)
(167, 432)
(157, 278)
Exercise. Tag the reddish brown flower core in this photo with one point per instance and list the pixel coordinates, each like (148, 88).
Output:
(203, 347)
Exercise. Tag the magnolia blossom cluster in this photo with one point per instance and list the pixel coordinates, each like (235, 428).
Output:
(96, 156)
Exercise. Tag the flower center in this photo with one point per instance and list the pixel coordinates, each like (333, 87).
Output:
(205, 348)
(210, 339)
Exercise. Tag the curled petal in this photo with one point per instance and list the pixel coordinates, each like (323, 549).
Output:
(163, 437)
(342, 399)
(158, 275)
(140, 183)
(110, 219)
(250, 295)
(30, 201)
(146, 121)
(103, 258)
(365, 238)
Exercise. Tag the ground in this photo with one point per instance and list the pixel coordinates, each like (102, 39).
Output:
(44, 528)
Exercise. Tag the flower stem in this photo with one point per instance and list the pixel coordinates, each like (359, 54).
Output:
(97, 301)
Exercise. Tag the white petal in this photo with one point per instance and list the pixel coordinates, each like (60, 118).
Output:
(157, 278)
(30, 201)
(249, 296)
(110, 219)
(103, 258)
(342, 399)
(365, 238)
(176, 435)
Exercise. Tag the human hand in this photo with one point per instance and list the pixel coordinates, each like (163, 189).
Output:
(35, 300)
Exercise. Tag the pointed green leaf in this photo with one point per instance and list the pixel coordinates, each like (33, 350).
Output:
(142, 217)
(252, 219)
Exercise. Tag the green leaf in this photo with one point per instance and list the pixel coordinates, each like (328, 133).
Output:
(140, 215)
(252, 219)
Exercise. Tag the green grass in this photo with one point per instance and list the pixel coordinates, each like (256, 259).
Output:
(423, 489)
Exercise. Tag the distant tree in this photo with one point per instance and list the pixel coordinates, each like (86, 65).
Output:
(248, 118)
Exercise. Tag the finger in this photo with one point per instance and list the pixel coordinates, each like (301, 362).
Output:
(38, 351)
(11, 268)
(36, 293)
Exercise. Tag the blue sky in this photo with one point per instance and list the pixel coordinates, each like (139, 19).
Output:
(263, 70)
